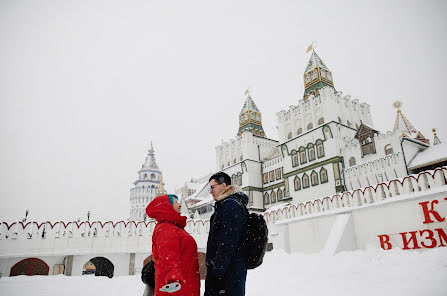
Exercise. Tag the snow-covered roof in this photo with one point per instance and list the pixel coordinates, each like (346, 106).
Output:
(204, 202)
(199, 190)
(431, 155)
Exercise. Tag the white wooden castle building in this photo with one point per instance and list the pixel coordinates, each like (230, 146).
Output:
(326, 145)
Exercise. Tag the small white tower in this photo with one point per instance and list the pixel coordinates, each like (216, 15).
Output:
(146, 187)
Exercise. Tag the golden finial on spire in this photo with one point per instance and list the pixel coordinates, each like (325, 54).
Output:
(312, 46)
(397, 105)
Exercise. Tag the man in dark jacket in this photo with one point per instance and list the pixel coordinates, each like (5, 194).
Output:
(226, 271)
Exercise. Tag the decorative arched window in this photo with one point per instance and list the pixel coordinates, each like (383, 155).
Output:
(314, 178)
(145, 176)
(242, 157)
(311, 150)
(152, 176)
(300, 131)
(388, 149)
(323, 175)
(321, 121)
(305, 181)
(320, 148)
(266, 199)
(352, 162)
(310, 126)
(279, 194)
(339, 119)
(294, 158)
(303, 158)
(297, 183)
(234, 160)
(348, 122)
(239, 179)
(289, 136)
(273, 196)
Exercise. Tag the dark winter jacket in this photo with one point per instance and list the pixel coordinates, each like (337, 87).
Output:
(174, 251)
(225, 253)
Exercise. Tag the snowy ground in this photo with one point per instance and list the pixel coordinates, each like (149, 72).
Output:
(371, 272)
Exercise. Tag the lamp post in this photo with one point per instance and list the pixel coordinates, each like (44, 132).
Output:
(26, 216)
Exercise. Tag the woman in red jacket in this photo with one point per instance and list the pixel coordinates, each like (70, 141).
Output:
(174, 251)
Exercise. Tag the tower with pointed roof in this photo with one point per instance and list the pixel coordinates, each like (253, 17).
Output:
(316, 76)
(404, 127)
(146, 187)
(250, 118)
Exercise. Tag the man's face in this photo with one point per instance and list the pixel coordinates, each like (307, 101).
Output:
(216, 188)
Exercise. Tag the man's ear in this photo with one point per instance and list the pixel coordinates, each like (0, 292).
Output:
(224, 184)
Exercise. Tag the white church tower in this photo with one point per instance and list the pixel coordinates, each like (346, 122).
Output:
(146, 187)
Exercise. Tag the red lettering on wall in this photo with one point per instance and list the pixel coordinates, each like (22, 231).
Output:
(442, 236)
(430, 237)
(385, 242)
(412, 239)
(432, 211)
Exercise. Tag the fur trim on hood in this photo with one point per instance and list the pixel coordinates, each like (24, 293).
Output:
(229, 190)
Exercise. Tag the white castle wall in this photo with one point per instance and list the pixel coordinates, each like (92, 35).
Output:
(374, 168)
(52, 242)
(330, 105)
(386, 209)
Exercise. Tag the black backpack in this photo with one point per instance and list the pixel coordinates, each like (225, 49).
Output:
(256, 239)
(148, 275)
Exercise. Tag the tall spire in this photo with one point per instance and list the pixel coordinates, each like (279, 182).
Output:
(316, 76)
(250, 118)
(436, 140)
(404, 126)
(150, 162)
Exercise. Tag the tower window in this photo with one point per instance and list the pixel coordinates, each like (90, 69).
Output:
(294, 158)
(352, 162)
(273, 196)
(314, 177)
(321, 121)
(289, 136)
(279, 194)
(300, 131)
(314, 75)
(297, 183)
(388, 149)
(303, 158)
(339, 120)
(266, 199)
(310, 126)
(320, 149)
(305, 181)
(311, 149)
(323, 175)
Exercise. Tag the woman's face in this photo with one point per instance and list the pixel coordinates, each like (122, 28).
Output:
(177, 206)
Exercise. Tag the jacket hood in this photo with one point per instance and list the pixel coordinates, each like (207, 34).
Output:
(233, 190)
(161, 210)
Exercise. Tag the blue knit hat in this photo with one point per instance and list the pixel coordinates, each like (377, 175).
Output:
(171, 198)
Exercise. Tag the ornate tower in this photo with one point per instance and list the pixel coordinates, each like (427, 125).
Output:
(316, 76)
(250, 118)
(146, 187)
(404, 126)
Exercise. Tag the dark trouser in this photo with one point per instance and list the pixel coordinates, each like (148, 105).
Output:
(234, 281)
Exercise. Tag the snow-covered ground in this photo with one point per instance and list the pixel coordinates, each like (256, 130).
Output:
(372, 272)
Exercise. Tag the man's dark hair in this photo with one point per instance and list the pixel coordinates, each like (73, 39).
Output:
(221, 177)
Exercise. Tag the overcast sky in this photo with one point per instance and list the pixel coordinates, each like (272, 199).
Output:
(85, 86)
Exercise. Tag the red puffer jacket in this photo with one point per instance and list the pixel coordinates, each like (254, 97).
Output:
(173, 249)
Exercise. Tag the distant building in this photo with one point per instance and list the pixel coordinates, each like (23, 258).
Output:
(146, 187)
